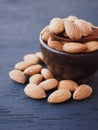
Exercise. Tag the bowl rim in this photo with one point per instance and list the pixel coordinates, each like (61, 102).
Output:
(63, 53)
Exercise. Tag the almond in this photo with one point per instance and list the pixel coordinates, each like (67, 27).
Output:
(36, 78)
(56, 45)
(91, 46)
(45, 29)
(33, 70)
(45, 36)
(32, 58)
(39, 54)
(72, 18)
(84, 26)
(22, 65)
(17, 76)
(72, 31)
(56, 26)
(49, 84)
(82, 92)
(34, 91)
(73, 47)
(68, 84)
(46, 73)
(50, 40)
(59, 96)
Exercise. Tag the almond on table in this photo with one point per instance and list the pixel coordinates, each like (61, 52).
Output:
(17, 76)
(39, 54)
(34, 69)
(59, 96)
(68, 84)
(32, 58)
(82, 92)
(36, 78)
(49, 84)
(46, 73)
(34, 91)
(22, 65)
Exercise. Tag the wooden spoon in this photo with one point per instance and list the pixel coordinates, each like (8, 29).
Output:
(92, 37)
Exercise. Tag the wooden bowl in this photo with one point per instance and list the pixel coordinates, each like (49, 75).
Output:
(77, 67)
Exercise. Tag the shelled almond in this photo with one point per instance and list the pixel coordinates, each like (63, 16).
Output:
(59, 96)
(17, 76)
(41, 80)
(34, 91)
(73, 30)
(68, 84)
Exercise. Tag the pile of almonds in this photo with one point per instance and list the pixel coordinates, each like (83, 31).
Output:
(73, 29)
(42, 80)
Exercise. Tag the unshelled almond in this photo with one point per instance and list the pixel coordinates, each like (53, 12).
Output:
(82, 92)
(22, 65)
(46, 73)
(36, 78)
(32, 58)
(56, 45)
(73, 47)
(59, 96)
(72, 31)
(91, 46)
(49, 84)
(68, 84)
(17, 76)
(34, 91)
(39, 54)
(56, 26)
(84, 26)
(34, 69)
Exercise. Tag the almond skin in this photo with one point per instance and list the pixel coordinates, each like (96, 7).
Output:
(17, 76)
(56, 26)
(72, 31)
(32, 58)
(73, 47)
(33, 70)
(56, 45)
(34, 91)
(46, 73)
(22, 65)
(36, 78)
(49, 84)
(91, 46)
(82, 92)
(59, 96)
(84, 26)
(68, 84)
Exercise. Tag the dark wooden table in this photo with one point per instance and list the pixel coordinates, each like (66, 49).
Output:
(20, 24)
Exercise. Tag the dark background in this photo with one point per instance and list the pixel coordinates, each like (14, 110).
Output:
(20, 24)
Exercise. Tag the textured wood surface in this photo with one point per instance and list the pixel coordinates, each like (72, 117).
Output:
(20, 24)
